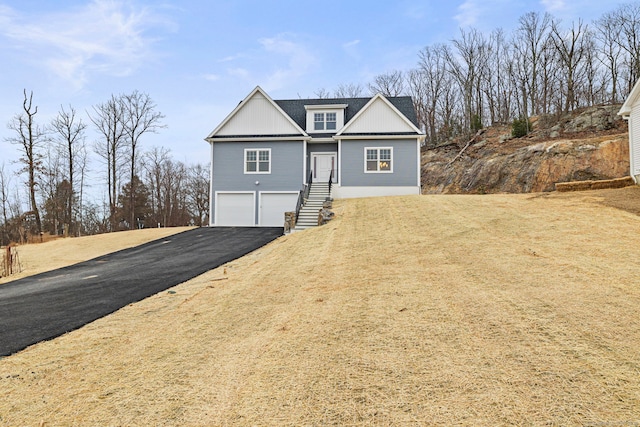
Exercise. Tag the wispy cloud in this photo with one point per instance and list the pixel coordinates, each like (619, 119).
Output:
(554, 5)
(468, 13)
(231, 57)
(352, 43)
(274, 62)
(239, 72)
(295, 56)
(104, 36)
(351, 48)
(415, 10)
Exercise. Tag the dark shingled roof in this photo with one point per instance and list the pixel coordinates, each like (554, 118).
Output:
(295, 107)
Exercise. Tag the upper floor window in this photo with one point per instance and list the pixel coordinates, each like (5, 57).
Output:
(325, 118)
(378, 159)
(257, 160)
(324, 121)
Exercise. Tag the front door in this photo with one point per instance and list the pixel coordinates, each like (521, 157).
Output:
(323, 165)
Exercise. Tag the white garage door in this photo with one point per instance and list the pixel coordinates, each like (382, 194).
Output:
(274, 205)
(237, 209)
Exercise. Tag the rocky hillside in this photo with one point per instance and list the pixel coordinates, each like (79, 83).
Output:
(590, 144)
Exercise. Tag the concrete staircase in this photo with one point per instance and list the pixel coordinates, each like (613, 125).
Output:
(308, 216)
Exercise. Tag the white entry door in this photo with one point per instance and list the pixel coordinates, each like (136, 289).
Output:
(322, 165)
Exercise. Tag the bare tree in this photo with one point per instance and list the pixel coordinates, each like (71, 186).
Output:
(174, 198)
(351, 90)
(29, 137)
(495, 82)
(154, 165)
(70, 136)
(570, 48)
(427, 84)
(322, 93)
(465, 64)
(529, 44)
(592, 89)
(140, 117)
(108, 119)
(55, 201)
(198, 193)
(607, 33)
(628, 18)
(388, 84)
(82, 164)
(4, 206)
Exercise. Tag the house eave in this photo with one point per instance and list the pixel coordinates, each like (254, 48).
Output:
(326, 107)
(379, 136)
(249, 138)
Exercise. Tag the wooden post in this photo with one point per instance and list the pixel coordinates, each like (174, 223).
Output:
(7, 262)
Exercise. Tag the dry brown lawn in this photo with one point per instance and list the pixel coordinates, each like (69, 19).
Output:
(425, 310)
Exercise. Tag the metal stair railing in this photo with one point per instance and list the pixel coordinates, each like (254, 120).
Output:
(303, 195)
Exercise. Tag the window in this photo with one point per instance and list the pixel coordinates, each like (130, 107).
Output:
(318, 121)
(331, 121)
(257, 161)
(379, 159)
(324, 121)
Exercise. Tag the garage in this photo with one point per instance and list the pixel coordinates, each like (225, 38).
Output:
(235, 209)
(273, 205)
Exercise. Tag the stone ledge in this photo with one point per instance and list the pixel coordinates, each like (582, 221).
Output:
(595, 185)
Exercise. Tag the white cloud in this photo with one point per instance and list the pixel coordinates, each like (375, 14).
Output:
(554, 5)
(103, 36)
(351, 44)
(469, 12)
(292, 60)
(231, 58)
(415, 11)
(238, 72)
(277, 62)
(211, 77)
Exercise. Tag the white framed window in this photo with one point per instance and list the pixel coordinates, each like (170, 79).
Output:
(324, 121)
(257, 160)
(330, 121)
(378, 159)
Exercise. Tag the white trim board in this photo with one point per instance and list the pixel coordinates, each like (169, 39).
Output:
(339, 192)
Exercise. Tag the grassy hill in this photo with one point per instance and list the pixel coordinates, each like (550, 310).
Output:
(420, 310)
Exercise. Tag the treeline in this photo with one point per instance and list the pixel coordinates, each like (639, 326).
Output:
(144, 188)
(544, 66)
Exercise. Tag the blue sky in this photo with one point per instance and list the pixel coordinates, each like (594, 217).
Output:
(197, 59)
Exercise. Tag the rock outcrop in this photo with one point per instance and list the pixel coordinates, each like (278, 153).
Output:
(588, 145)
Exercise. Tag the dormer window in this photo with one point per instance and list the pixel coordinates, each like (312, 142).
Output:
(324, 121)
(325, 118)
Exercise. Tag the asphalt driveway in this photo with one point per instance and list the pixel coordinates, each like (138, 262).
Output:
(47, 305)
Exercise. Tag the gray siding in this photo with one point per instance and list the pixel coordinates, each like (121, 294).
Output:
(228, 168)
(405, 169)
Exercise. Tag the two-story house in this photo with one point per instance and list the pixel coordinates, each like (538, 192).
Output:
(265, 152)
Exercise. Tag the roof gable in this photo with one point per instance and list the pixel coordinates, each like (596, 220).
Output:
(379, 116)
(257, 114)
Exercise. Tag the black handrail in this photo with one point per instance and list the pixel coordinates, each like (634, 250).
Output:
(330, 182)
(303, 195)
